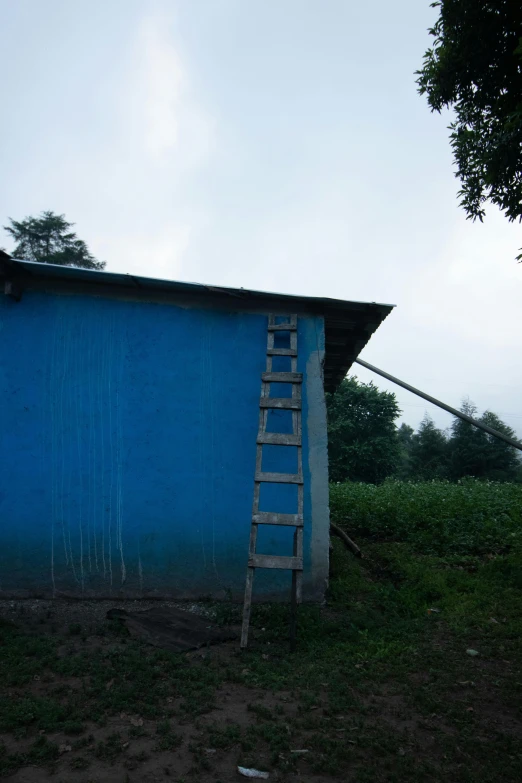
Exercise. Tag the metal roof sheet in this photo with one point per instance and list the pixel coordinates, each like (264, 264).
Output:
(348, 324)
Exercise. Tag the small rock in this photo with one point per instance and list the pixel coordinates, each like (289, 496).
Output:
(64, 749)
(250, 772)
(473, 653)
(137, 721)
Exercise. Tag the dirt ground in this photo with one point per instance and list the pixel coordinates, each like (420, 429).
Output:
(84, 703)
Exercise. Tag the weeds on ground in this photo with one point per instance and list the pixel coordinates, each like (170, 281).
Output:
(441, 575)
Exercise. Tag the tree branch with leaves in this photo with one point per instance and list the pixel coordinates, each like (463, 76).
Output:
(475, 68)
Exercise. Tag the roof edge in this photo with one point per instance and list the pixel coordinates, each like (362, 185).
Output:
(348, 324)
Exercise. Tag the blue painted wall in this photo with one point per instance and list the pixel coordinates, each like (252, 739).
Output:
(128, 443)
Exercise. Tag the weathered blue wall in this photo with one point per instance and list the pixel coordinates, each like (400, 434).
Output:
(127, 449)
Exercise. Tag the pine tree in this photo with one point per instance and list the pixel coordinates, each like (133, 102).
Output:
(48, 240)
(429, 451)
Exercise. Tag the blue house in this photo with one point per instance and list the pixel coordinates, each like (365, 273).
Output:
(129, 422)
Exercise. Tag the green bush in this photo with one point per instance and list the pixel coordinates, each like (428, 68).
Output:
(470, 517)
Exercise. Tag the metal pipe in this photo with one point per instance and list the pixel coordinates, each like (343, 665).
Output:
(453, 411)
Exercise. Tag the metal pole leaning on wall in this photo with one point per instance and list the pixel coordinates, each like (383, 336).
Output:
(453, 411)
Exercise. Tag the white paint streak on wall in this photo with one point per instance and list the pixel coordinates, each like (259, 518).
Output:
(140, 569)
(201, 450)
(76, 388)
(211, 403)
(83, 402)
(119, 451)
(60, 368)
(100, 373)
(110, 363)
(51, 413)
(93, 456)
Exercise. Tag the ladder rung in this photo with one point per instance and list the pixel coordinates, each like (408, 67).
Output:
(282, 327)
(279, 478)
(271, 518)
(275, 561)
(282, 377)
(280, 402)
(279, 439)
(281, 352)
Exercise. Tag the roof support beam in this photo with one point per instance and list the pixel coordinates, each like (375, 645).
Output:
(448, 408)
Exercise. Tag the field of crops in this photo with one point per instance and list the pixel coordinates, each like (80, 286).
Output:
(436, 517)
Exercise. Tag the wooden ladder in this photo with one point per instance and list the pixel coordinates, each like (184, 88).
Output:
(293, 403)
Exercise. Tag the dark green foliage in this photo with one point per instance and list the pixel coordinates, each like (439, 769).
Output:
(504, 462)
(110, 748)
(468, 446)
(475, 453)
(469, 517)
(168, 739)
(42, 750)
(429, 453)
(48, 240)
(80, 763)
(475, 68)
(365, 445)
(362, 436)
(405, 438)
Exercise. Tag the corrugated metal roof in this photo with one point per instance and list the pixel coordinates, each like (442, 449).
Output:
(348, 325)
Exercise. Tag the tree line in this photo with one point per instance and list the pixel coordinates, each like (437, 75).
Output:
(365, 444)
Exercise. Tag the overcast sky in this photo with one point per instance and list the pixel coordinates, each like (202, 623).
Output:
(271, 144)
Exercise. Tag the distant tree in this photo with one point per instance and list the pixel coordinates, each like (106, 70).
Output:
(475, 67)
(475, 453)
(467, 446)
(502, 460)
(48, 240)
(362, 436)
(405, 440)
(429, 451)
